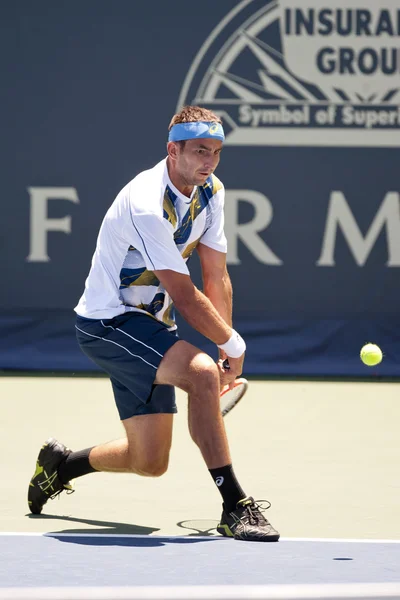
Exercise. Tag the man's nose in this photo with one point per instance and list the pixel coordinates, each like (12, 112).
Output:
(211, 162)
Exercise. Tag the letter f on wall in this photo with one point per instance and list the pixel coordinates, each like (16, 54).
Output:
(40, 224)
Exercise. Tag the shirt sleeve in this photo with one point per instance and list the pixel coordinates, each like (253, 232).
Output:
(152, 236)
(214, 236)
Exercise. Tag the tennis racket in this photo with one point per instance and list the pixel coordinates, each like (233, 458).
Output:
(230, 397)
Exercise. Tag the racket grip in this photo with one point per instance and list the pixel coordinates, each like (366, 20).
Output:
(225, 364)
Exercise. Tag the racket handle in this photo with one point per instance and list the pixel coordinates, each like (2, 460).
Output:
(225, 364)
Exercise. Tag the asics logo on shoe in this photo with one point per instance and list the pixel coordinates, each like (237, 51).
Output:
(219, 481)
(47, 483)
(248, 523)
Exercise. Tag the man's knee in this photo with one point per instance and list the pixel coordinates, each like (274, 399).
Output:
(186, 367)
(203, 374)
(150, 466)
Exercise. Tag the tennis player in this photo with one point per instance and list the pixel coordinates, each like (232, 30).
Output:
(125, 324)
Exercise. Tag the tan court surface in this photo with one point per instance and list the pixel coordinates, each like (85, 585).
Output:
(327, 456)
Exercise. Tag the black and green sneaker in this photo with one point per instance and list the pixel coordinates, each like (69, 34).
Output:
(45, 482)
(247, 523)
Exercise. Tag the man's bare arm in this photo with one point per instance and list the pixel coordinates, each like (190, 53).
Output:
(194, 306)
(216, 281)
(218, 288)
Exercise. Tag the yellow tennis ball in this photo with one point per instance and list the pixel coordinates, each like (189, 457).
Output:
(371, 355)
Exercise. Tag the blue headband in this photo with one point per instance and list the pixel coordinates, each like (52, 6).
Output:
(197, 129)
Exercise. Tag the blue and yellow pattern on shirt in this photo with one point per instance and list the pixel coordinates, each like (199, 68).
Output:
(139, 287)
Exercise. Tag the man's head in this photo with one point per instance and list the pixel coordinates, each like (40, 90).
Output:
(194, 146)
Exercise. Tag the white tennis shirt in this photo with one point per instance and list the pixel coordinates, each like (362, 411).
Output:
(150, 226)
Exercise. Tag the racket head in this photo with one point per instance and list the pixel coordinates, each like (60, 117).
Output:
(229, 398)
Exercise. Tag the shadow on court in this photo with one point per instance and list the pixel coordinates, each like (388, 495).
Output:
(199, 527)
(139, 541)
(104, 527)
(109, 533)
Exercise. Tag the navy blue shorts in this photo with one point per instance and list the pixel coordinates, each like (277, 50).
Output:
(130, 348)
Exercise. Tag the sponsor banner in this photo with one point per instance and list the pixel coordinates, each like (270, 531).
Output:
(305, 74)
(310, 100)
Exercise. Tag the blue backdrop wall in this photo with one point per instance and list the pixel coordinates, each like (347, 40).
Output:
(310, 100)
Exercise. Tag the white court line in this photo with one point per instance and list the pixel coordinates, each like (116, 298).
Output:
(349, 591)
(132, 535)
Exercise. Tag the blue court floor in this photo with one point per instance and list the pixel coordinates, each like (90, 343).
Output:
(106, 560)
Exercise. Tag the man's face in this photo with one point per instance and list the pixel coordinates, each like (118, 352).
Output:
(198, 160)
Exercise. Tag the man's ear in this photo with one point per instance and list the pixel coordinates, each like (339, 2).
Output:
(173, 150)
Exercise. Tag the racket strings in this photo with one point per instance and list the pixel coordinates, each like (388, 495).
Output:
(233, 394)
(230, 397)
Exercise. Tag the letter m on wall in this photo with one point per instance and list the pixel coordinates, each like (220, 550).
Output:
(340, 215)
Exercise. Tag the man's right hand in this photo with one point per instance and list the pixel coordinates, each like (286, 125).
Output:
(228, 375)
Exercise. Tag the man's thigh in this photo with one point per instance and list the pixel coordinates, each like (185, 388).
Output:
(161, 399)
(184, 363)
(130, 348)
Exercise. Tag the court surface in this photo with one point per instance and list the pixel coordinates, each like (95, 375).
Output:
(326, 455)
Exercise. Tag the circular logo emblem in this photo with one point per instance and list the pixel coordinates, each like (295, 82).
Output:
(213, 128)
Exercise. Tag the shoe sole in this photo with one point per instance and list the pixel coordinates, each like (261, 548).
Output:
(226, 532)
